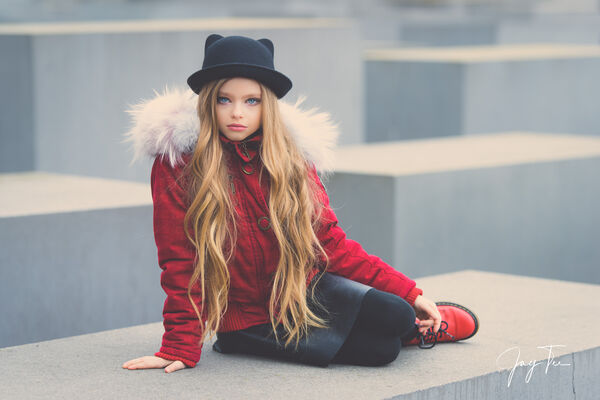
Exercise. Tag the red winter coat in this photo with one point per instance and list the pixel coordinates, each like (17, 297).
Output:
(256, 255)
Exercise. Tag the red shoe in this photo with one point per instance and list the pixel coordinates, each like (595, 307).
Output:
(458, 323)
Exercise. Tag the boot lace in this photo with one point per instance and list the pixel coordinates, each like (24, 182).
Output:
(429, 339)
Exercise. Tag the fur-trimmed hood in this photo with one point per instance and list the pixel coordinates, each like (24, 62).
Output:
(168, 125)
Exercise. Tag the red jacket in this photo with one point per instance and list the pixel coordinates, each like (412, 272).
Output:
(256, 255)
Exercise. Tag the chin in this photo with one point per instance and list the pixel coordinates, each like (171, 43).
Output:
(237, 136)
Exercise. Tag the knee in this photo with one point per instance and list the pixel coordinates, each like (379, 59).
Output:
(397, 311)
(389, 352)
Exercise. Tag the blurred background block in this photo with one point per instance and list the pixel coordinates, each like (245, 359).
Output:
(428, 92)
(448, 29)
(514, 202)
(78, 256)
(565, 27)
(17, 124)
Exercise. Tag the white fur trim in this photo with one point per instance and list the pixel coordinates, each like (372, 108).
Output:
(168, 125)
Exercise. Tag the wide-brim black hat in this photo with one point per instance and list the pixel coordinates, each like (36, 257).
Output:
(231, 56)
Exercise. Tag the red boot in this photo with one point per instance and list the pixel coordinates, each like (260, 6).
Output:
(458, 323)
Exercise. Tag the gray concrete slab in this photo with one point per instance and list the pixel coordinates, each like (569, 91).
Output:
(433, 92)
(61, 193)
(72, 251)
(17, 150)
(99, 69)
(551, 28)
(456, 29)
(515, 202)
(518, 315)
(449, 31)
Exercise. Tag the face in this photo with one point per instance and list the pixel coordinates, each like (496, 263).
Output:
(239, 108)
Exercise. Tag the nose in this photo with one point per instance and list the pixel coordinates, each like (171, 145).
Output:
(237, 110)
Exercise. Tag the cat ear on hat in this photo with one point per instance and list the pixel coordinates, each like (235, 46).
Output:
(268, 44)
(213, 37)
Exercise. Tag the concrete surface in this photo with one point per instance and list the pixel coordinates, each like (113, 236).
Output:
(30, 10)
(61, 193)
(17, 139)
(551, 28)
(73, 250)
(450, 30)
(99, 69)
(432, 92)
(455, 29)
(515, 202)
(517, 314)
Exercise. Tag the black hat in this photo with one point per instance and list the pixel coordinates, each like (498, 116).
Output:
(233, 56)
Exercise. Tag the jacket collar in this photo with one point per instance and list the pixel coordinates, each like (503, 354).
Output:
(246, 149)
(168, 125)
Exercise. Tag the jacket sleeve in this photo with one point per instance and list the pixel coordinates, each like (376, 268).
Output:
(347, 257)
(176, 254)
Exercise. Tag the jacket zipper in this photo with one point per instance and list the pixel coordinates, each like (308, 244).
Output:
(259, 272)
(256, 245)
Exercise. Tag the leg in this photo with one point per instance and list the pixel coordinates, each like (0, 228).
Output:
(384, 320)
(387, 314)
(368, 348)
(257, 340)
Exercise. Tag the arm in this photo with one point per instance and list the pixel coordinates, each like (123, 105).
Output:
(347, 257)
(176, 259)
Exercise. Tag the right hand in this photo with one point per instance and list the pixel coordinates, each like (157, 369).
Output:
(428, 314)
(154, 362)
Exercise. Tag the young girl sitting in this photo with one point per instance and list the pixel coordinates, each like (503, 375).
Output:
(249, 247)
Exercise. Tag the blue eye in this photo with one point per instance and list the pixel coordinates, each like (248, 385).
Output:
(254, 100)
(222, 99)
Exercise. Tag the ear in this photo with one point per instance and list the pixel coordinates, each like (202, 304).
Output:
(268, 44)
(210, 40)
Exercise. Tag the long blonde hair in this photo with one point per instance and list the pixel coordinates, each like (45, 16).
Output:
(294, 215)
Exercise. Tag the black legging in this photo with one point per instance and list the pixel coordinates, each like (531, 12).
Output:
(384, 320)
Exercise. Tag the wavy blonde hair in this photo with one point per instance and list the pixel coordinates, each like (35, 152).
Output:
(294, 213)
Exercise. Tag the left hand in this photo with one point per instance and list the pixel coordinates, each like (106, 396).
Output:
(154, 362)
(428, 314)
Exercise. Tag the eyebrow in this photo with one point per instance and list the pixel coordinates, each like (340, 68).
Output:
(249, 95)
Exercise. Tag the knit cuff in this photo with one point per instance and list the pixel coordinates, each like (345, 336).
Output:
(188, 363)
(412, 295)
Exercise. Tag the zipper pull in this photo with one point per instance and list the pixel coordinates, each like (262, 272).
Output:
(245, 149)
(231, 184)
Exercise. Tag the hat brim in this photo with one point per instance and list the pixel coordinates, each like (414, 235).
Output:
(276, 81)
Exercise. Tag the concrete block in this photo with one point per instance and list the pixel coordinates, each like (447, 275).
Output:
(448, 31)
(95, 10)
(432, 92)
(516, 202)
(565, 27)
(98, 69)
(517, 315)
(496, 28)
(17, 141)
(73, 251)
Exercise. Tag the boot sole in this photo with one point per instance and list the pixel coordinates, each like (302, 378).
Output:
(471, 313)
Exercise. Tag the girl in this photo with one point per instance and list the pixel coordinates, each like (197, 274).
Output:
(249, 247)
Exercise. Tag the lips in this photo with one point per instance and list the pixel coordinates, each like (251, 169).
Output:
(236, 126)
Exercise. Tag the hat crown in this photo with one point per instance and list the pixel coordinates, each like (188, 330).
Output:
(239, 56)
(237, 50)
